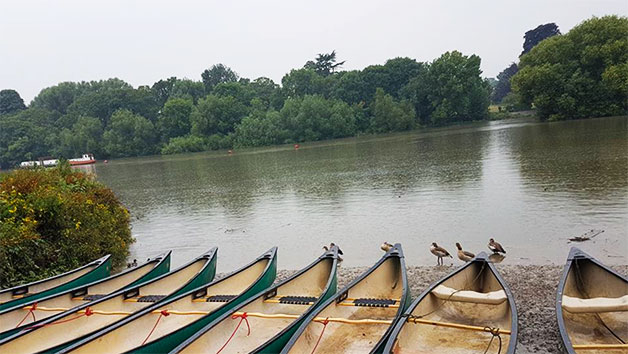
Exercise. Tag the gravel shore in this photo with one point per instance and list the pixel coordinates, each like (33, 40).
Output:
(534, 289)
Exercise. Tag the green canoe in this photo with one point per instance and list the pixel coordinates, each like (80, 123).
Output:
(59, 331)
(88, 273)
(17, 318)
(186, 314)
(272, 315)
(360, 317)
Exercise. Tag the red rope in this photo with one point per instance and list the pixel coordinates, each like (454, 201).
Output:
(243, 317)
(163, 313)
(88, 312)
(30, 312)
(321, 336)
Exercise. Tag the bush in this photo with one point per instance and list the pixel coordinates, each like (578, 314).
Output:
(54, 220)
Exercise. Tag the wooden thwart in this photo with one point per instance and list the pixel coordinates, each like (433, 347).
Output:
(600, 346)
(456, 325)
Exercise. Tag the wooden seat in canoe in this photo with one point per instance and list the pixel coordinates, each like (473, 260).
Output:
(595, 305)
(490, 298)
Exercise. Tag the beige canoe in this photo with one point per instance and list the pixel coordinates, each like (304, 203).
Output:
(592, 306)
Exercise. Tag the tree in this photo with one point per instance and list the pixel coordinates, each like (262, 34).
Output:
(502, 88)
(26, 135)
(10, 102)
(535, 36)
(59, 97)
(580, 74)
(389, 115)
(129, 134)
(163, 89)
(325, 64)
(217, 115)
(217, 74)
(174, 119)
(301, 82)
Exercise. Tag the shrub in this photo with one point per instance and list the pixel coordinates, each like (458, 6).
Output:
(54, 220)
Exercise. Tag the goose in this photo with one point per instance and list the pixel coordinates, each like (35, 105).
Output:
(495, 247)
(331, 245)
(465, 256)
(386, 246)
(439, 252)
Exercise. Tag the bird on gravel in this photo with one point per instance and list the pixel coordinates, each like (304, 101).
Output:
(465, 256)
(439, 252)
(495, 247)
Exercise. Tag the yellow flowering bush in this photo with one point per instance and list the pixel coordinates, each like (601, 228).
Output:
(54, 220)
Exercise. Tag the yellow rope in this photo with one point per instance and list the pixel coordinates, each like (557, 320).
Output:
(456, 325)
(316, 319)
(39, 308)
(600, 346)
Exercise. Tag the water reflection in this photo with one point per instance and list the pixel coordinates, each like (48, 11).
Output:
(526, 184)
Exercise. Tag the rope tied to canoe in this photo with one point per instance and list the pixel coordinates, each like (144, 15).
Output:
(88, 312)
(31, 311)
(243, 317)
(162, 313)
(495, 332)
(325, 322)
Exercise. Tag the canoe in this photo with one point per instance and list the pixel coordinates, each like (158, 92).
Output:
(61, 330)
(186, 313)
(592, 306)
(272, 315)
(17, 318)
(358, 318)
(88, 273)
(470, 310)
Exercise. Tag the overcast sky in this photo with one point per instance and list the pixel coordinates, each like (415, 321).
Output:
(46, 42)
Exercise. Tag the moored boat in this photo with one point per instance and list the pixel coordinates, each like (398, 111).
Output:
(592, 306)
(272, 316)
(61, 330)
(358, 318)
(86, 159)
(17, 318)
(470, 310)
(88, 273)
(163, 326)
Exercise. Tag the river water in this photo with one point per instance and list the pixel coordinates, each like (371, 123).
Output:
(529, 185)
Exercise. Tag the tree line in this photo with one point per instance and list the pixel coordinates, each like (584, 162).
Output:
(111, 118)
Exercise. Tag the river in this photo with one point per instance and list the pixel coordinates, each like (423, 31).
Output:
(529, 185)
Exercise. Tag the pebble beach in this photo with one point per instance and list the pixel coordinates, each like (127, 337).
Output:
(533, 286)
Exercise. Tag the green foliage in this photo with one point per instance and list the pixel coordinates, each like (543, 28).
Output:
(183, 144)
(301, 82)
(580, 74)
(26, 135)
(129, 134)
(85, 135)
(535, 36)
(174, 119)
(502, 88)
(217, 74)
(54, 220)
(10, 102)
(325, 64)
(389, 115)
(217, 115)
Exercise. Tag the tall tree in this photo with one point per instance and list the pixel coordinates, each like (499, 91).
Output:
(10, 102)
(534, 36)
(502, 88)
(325, 64)
(129, 134)
(217, 74)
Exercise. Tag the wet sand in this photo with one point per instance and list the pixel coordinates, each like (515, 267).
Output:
(534, 289)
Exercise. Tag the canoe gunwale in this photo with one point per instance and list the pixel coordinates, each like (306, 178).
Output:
(74, 291)
(270, 254)
(480, 258)
(331, 254)
(575, 254)
(209, 255)
(98, 262)
(395, 251)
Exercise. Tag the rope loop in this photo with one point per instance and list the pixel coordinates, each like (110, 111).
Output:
(494, 331)
(243, 317)
(325, 322)
(88, 311)
(31, 312)
(165, 313)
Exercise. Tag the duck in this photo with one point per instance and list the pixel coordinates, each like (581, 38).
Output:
(465, 256)
(439, 252)
(495, 247)
(331, 245)
(386, 246)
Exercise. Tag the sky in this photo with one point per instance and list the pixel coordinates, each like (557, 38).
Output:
(43, 43)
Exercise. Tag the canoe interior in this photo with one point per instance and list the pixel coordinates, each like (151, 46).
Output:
(423, 338)
(586, 279)
(121, 303)
(132, 334)
(313, 283)
(68, 299)
(387, 281)
(88, 273)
